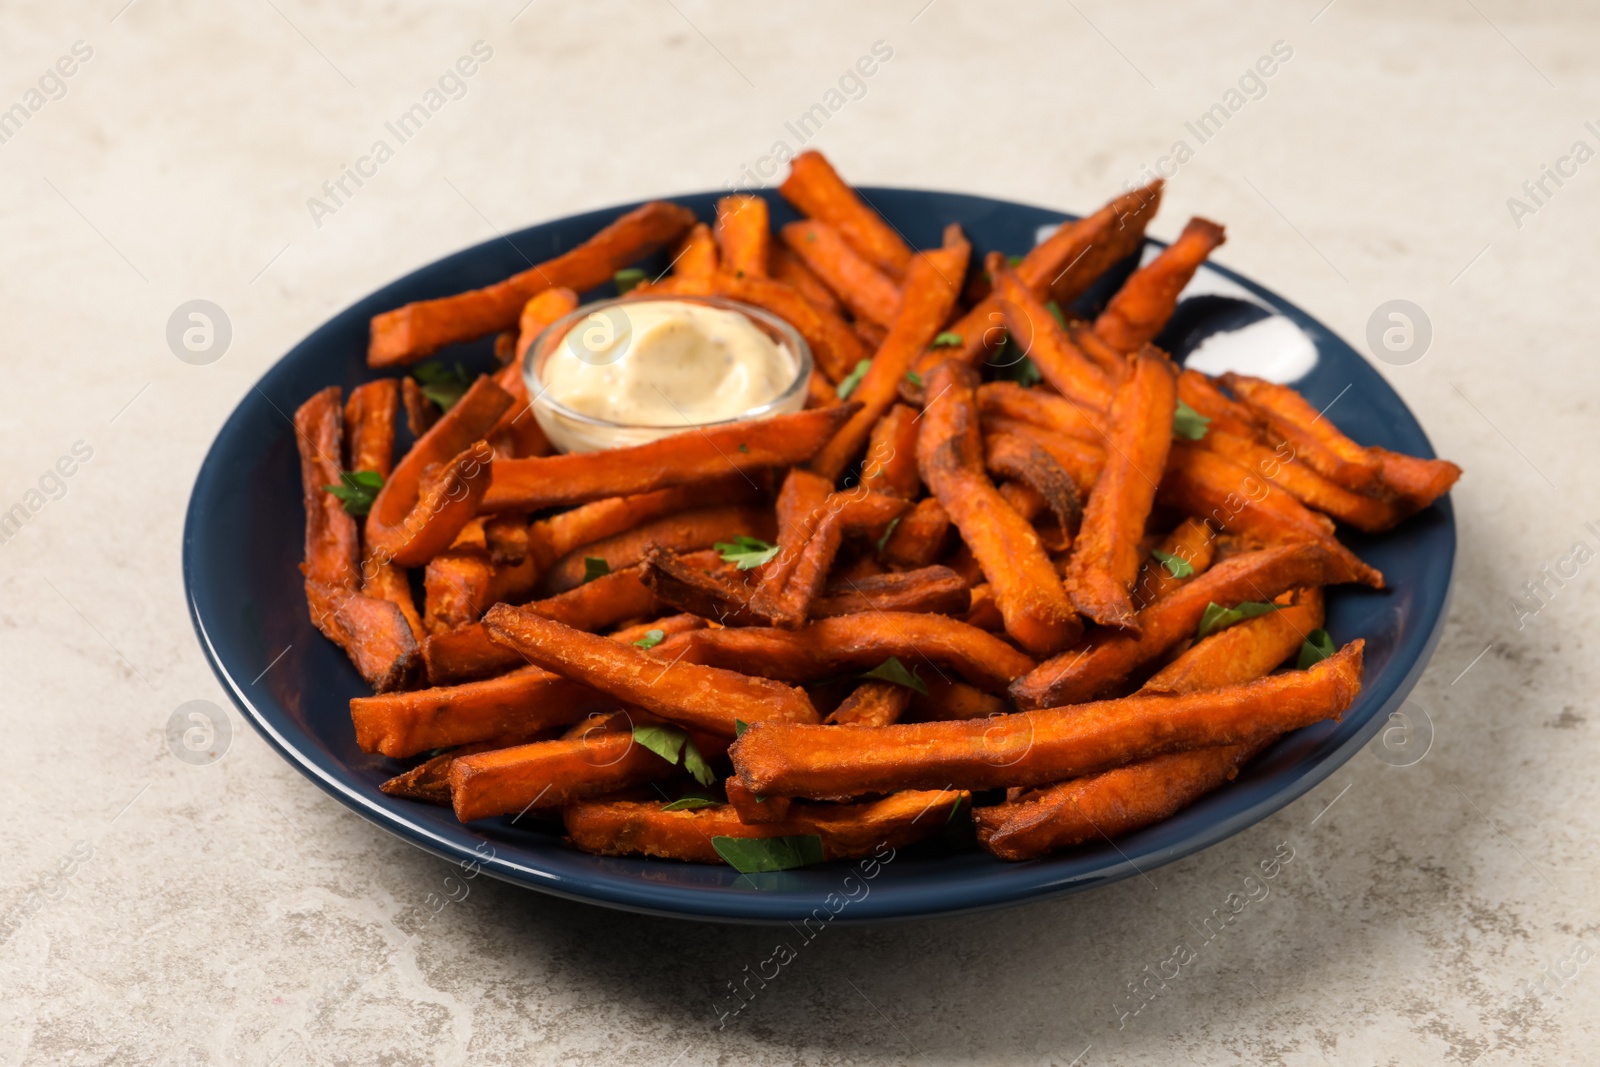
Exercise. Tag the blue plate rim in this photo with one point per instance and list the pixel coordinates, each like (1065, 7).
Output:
(1024, 881)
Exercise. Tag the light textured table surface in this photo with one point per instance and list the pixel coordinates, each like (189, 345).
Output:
(156, 912)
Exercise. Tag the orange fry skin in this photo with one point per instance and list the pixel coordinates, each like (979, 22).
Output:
(848, 831)
(921, 537)
(868, 292)
(835, 346)
(1301, 481)
(1081, 460)
(872, 704)
(1008, 400)
(1105, 555)
(950, 457)
(537, 314)
(409, 333)
(931, 285)
(1418, 482)
(1039, 747)
(744, 234)
(697, 258)
(333, 543)
(688, 694)
(369, 421)
(1045, 341)
(816, 189)
(686, 531)
(1316, 440)
(558, 535)
(1147, 299)
(930, 644)
(1110, 658)
(411, 522)
(1237, 499)
(786, 267)
(891, 463)
(931, 590)
(1245, 650)
(695, 456)
(1193, 542)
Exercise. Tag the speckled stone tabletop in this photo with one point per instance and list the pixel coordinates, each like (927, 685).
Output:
(157, 911)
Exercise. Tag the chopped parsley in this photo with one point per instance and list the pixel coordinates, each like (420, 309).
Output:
(745, 552)
(357, 490)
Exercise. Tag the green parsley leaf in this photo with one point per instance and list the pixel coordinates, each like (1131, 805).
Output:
(751, 855)
(853, 379)
(1176, 566)
(628, 279)
(665, 741)
(651, 639)
(1218, 617)
(745, 552)
(960, 834)
(357, 491)
(594, 567)
(443, 385)
(947, 339)
(893, 671)
(1023, 371)
(743, 447)
(888, 532)
(1189, 423)
(914, 378)
(691, 803)
(1317, 647)
(739, 727)
(696, 764)
(1055, 309)
(1013, 261)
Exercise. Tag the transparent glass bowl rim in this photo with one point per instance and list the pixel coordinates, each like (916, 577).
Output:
(557, 330)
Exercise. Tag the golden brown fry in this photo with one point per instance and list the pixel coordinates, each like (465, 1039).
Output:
(829, 647)
(646, 631)
(705, 591)
(1316, 440)
(1108, 659)
(891, 463)
(920, 537)
(1147, 299)
(848, 831)
(429, 781)
(409, 333)
(868, 292)
(551, 774)
(560, 534)
(786, 597)
(1193, 543)
(925, 304)
(929, 590)
(372, 631)
(950, 457)
(460, 585)
(1008, 400)
(1105, 555)
(1280, 467)
(872, 704)
(1037, 747)
(1010, 455)
(744, 234)
(816, 189)
(1081, 460)
(1236, 499)
(694, 456)
(688, 694)
(686, 531)
(1245, 650)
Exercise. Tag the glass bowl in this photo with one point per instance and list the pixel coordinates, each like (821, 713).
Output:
(576, 431)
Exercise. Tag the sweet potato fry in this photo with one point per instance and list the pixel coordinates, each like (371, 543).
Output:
(1236, 499)
(1062, 267)
(1244, 651)
(459, 586)
(871, 334)
(332, 538)
(1418, 482)
(369, 419)
(699, 590)
(848, 831)
(1224, 413)
(686, 531)
(1110, 804)
(695, 456)
(891, 463)
(409, 333)
(872, 704)
(697, 258)
(536, 316)
(788, 268)
(1112, 363)
(784, 596)
(799, 509)
(925, 304)
(1010, 455)
(688, 694)
(928, 590)
(1108, 659)
(950, 458)
(816, 189)
(829, 647)
(834, 345)
(1316, 440)
(920, 537)
(1081, 460)
(868, 292)
(1105, 555)
(752, 809)
(560, 534)
(1035, 330)
(1037, 747)
(744, 234)
(429, 781)
(372, 631)
(551, 774)
(667, 626)
(1008, 400)
(421, 413)
(1147, 299)
(409, 522)
(983, 612)
(1193, 543)
(948, 699)
(1305, 484)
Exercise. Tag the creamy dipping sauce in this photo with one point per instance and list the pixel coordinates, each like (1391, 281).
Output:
(666, 363)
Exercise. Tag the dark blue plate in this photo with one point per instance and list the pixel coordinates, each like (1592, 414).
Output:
(242, 546)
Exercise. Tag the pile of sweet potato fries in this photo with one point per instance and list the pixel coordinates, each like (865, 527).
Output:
(1006, 556)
